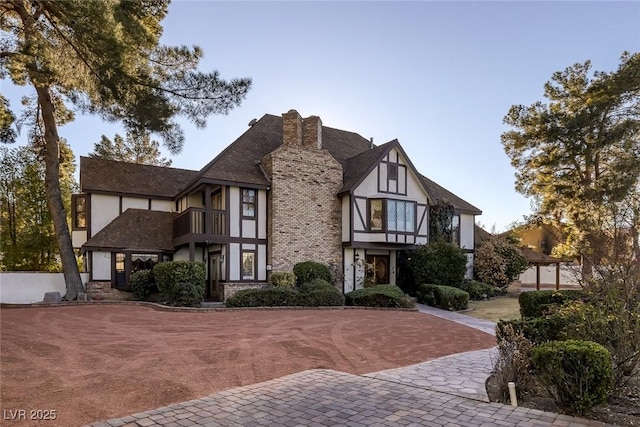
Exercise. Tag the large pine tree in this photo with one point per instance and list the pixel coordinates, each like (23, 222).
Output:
(104, 57)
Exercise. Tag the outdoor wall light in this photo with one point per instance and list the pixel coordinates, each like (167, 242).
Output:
(222, 259)
(356, 257)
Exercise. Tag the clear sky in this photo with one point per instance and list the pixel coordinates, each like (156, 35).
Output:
(438, 76)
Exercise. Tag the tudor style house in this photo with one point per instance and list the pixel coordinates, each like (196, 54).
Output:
(287, 190)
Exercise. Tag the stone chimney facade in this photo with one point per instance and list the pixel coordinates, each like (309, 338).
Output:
(304, 211)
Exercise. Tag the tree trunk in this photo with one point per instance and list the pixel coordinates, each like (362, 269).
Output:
(54, 195)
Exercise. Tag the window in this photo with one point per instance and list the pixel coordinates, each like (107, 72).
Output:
(375, 214)
(79, 211)
(143, 261)
(400, 216)
(249, 203)
(393, 171)
(455, 230)
(248, 265)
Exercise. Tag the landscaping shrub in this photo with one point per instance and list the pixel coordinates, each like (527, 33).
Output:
(513, 363)
(439, 263)
(577, 374)
(317, 284)
(379, 296)
(142, 284)
(446, 297)
(308, 270)
(264, 297)
(324, 297)
(498, 261)
(283, 279)
(537, 303)
(477, 290)
(173, 278)
(537, 330)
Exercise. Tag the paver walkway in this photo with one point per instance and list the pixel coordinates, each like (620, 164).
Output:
(448, 391)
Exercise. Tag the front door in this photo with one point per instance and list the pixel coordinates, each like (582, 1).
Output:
(380, 267)
(213, 289)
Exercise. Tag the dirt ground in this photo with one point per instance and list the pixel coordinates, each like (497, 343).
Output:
(90, 363)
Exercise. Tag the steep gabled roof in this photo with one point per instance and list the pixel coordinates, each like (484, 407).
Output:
(357, 167)
(100, 175)
(238, 162)
(438, 192)
(136, 229)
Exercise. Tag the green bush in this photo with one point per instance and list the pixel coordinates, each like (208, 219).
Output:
(172, 279)
(264, 297)
(578, 374)
(446, 297)
(439, 263)
(142, 284)
(379, 296)
(283, 279)
(477, 290)
(316, 284)
(538, 330)
(321, 298)
(309, 270)
(537, 303)
(498, 261)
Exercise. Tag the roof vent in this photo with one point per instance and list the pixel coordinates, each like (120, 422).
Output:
(252, 122)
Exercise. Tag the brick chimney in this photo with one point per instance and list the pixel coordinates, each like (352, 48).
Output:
(291, 128)
(312, 132)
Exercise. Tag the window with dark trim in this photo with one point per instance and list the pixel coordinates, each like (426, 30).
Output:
(392, 215)
(376, 215)
(248, 265)
(393, 171)
(79, 211)
(249, 203)
(455, 230)
(401, 216)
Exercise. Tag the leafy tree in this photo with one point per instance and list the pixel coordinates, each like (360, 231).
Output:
(116, 69)
(27, 237)
(438, 263)
(441, 221)
(498, 261)
(135, 148)
(580, 153)
(7, 133)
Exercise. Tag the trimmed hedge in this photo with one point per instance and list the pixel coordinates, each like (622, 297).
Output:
(537, 303)
(142, 284)
(309, 270)
(264, 297)
(173, 278)
(311, 296)
(379, 296)
(446, 297)
(538, 330)
(477, 290)
(317, 284)
(578, 374)
(283, 279)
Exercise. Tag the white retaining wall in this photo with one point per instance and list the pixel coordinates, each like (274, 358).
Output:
(26, 287)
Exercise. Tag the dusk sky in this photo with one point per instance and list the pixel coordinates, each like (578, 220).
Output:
(438, 76)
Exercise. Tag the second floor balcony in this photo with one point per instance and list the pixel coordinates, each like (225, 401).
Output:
(199, 222)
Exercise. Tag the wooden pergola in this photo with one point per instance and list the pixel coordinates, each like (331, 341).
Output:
(539, 259)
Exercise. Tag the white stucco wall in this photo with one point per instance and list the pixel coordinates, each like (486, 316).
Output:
(104, 209)
(348, 270)
(234, 212)
(346, 212)
(78, 237)
(234, 261)
(26, 287)
(262, 214)
(467, 229)
(163, 205)
(101, 265)
(134, 203)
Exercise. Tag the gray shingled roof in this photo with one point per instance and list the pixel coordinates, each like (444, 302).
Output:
(237, 163)
(136, 229)
(100, 175)
(440, 193)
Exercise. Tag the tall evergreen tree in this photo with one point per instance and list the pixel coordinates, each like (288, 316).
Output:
(105, 58)
(135, 148)
(579, 154)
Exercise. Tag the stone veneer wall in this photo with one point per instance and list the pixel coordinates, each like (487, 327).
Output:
(103, 291)
(304, 212)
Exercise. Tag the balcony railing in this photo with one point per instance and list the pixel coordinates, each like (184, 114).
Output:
(193, 220)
